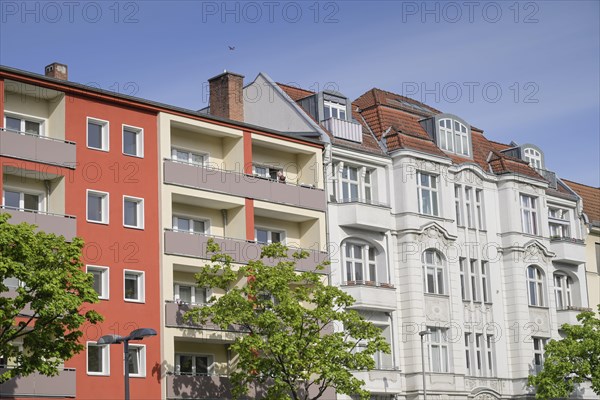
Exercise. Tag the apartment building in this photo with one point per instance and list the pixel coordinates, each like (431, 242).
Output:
(443, 232)
(146, 185)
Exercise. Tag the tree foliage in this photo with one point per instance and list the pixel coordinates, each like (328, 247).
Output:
(291, 349)
(43, 314)
(572, 360)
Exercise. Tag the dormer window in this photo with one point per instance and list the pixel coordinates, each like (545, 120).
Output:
(453, 136)
(334, 110)
(533, 157)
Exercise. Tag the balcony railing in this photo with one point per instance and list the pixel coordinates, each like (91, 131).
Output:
(38, 148)
(243, 185)
(369, 202)
(567, 240)
(37, 385)
(368, 283)
(242, 251)
(343, 129)
(174, 317)
(59, 224)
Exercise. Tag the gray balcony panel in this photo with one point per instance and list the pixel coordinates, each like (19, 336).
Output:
(174, 317)
(243, 185)
(49, 223)
(37, 148)
(37, 385)
(242, 251)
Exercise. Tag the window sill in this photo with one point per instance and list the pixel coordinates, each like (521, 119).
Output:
(135, 156)
(97, 149)
(134, 301)
(539, 307)
(139, 228)
(443, 296)
(91, 221)
(98, 374)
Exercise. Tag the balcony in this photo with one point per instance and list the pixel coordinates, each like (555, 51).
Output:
(194, 245)
(369, 295)
(37, 148)
(243, 185)
(372, 216)
(37, 385)
(381, 380)
(570, 251)
(569, 314)
(58, 224)
(174, 313)
(343, 129)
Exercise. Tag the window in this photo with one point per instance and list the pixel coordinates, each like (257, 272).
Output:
(478, 354)
(350, 184)
(562, 290)
(188, 157)
(97, 207)
(468, 353)
(383, 360)
(479, 214)
(438, 349)
(24, 124)
(97, 134)
(469, 206)
(263, 235)
(269, 172)
(474, 283)
(133, 141)
(133, 212)
(490, 354)
(535, 286)
(458, 205)
(190, 294)
(486, 294)
(453, 136)
(192, 364)
(361, 264)
(97, 359)
(464, 281)
(597, 245)
(17, 199)
(134, 286)
(433, 272)
(334, 110)
(529, 214)
(101, 280)
(137, 360)
(367, 184)
(538, 353)
(533, 157)
(558, 221)
(427, 192)
(186, 224)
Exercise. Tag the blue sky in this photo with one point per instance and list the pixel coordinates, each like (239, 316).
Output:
(522, 71)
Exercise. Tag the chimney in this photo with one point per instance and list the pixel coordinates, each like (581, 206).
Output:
(57, 70)
(226, 96)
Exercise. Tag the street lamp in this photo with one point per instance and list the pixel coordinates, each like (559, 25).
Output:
(422, 334)
(137, 334)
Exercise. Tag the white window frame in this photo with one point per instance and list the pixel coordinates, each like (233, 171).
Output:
(141, 360)
(105, 206)
(437, 342)
(139, 134)
(479, 209)
(529, 218)
(210, 370)
(141, 281)
(105, 133)
(105, 279)
(537, 281)
(464, 279)
(490, 350)
(24, 118)
(558, 217)
(194, 292)
(469, 207)
(338, 107)
(541, 343)
(191, 154)
(458, 202)
(193, 221)
(485, 279)
(41, 197)
(139, 210)
(563, 290)
(438, 269)
(368, 265)
(432, 188)
(453, 140)
(533, 157)
(349, 183)
(270, 173)
(468, 355)
(270, 232)
(368, 186)
(105, 359)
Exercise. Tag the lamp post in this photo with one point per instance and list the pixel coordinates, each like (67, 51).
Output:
(137, 334)
(422, 334)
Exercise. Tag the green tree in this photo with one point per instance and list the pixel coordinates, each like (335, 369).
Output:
(572, 360)
(45, 311)
(291, 350)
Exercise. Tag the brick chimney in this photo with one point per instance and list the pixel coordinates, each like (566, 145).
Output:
(226, 96)
(57, 70)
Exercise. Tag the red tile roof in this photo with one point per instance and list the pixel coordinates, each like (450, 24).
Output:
(591, 199)
(295, 92)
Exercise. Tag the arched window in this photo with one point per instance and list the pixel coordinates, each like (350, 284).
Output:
(533, 157)
(562, 290)
(364, 263)
(453, 136)
(433, 272)
(535, 286)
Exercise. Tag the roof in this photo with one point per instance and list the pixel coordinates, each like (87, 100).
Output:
(591, 199)
(295, 92)
(396, 120)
